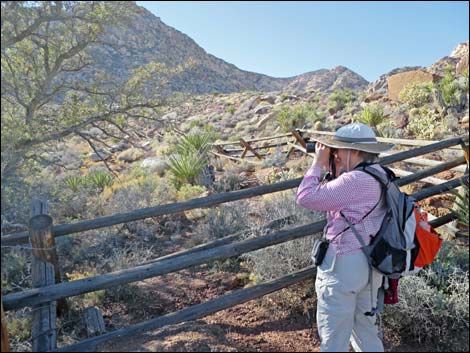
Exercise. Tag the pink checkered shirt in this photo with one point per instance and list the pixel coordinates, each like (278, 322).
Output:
(354, 193)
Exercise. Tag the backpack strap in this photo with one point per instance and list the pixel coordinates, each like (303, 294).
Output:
(384, 179)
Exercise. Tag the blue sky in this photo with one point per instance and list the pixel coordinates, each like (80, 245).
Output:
(283, 39)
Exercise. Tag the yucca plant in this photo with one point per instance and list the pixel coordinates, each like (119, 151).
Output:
(73, 182)
(461, 208)
(195, 144)
(186, 168)
(372, 115)
(100, 179)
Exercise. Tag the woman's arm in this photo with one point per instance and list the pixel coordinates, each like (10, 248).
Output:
(348, 189)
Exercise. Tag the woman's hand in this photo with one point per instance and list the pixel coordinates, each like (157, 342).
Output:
(322, 156)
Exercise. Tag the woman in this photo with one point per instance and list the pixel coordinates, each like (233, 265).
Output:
(343, 283)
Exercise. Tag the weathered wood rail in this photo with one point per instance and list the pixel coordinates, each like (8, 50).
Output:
(222, 249)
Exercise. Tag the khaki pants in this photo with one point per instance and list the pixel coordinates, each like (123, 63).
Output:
(343, 296)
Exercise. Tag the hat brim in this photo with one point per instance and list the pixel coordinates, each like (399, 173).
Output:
(376, 147)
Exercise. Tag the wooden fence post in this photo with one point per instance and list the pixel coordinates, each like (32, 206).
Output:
(248, 148)
(4, 332)
(43, 329)
(299, 138)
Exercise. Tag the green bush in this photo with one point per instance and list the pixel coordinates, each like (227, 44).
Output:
(416, 94)
(433, 305)
(199, 143)
(298, 116)
(372, 115)
(449, 88)
(462, 208)
(185, 168)
(74, 182)
(231, 109)
(100, 179)
(425, 125)
(340, 98)
(191, 157)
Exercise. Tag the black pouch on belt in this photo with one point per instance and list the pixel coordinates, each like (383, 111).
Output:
(320, 246)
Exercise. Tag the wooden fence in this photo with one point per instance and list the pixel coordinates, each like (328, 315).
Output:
(50, 291)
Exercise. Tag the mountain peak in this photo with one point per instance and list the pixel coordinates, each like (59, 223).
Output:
(146, 38)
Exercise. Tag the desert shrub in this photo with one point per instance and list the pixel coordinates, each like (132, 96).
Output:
(87, 299)
(449, 88)
(137, 192)
(298, 116)
(433, 306)
(276, 158)
(416, 94)
(229, 181)
(100, 179)
(282, 259)
(340, 98)
(74, 182)
(462, 207)
(225, 220)
(425, 125)
(186, 168)
(372, 115)
(15, 270)
(124, 257)
(231, 109)
(191, 157)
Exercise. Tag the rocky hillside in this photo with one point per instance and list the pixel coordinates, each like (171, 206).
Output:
(146, 38)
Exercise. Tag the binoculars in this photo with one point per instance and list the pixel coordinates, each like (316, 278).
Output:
(310, 147)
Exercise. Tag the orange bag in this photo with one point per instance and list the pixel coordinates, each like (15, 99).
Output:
(428, 239)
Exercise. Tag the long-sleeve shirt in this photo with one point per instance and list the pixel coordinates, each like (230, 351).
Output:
(354, 194)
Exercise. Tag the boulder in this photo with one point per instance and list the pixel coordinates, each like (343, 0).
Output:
(269, 98)
(398, 81)
(265, 119)
(263, 109)
(130, 155)
(248, 105)
(100, 155)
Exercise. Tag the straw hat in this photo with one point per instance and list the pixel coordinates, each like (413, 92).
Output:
(355, 136)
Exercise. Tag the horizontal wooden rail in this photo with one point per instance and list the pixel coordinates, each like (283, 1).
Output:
(63, 290)
(429, 180)
(212, 306)
(197, 311)
(230, 150)
(203, 202)
(430, 163)
(208, 201)
(250, 141)
(404, 142)
(431, 171)
(46, 294)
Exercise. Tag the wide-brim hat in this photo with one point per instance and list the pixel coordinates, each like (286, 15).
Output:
(355, 136)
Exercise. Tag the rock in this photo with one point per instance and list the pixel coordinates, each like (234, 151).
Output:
(318, 126)
(130, 155)
(95, 132)
(265, 119)
(438, 101)
(155, 164)
(120, 146)
(373, 97)
(263, 109)
(398, 81)
(462, 65)
(170, 116)
(248, 105)
(401, 121)
(101, 155)
(269, 98)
